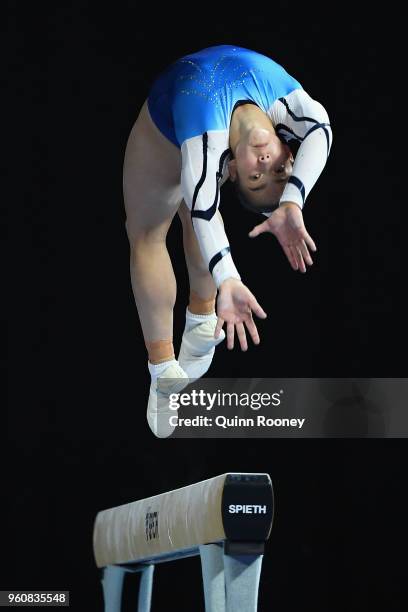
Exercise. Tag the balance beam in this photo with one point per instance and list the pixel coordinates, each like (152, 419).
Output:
(225, 519)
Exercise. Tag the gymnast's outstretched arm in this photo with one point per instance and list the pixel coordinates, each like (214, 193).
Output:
(307, 120)
(300, 119)
(203, 161)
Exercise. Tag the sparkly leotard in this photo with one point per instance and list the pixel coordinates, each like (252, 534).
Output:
(192, 104)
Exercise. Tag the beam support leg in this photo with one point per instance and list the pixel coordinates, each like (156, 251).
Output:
(242, 575)
(212, 565)
(144, 601)
(112, 585)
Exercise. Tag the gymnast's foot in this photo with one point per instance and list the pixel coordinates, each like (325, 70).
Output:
(198, 344)
(167, 378)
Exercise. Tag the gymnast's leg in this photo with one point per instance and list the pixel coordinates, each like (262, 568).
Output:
(151, 183)
(198, 342)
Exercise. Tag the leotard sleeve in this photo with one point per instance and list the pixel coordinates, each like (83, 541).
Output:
(204, 160)
(299, 119)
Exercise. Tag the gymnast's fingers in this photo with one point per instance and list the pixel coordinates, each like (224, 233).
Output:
(242, 336)
(290, 256)
(220, 323)
(256, 307)
(253, 332)
(230, 335)
(305, 253)
(299, 258)
(259, 229)
(309, 241)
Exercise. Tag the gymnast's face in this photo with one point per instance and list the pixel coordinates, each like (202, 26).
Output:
(262, 164)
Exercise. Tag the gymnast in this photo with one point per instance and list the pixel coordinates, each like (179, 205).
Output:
(223, 112)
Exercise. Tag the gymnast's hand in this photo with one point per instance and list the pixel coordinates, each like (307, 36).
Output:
(286, 223)
(235, 305)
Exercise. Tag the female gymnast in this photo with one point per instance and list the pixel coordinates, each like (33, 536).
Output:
(224, 112)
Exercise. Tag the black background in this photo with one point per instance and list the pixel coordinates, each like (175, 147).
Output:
(78, 438)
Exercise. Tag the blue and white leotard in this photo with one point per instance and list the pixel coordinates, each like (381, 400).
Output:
(192, 104)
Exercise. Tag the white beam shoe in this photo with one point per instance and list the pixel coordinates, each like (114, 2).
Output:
(198, 347)
(172, 380)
